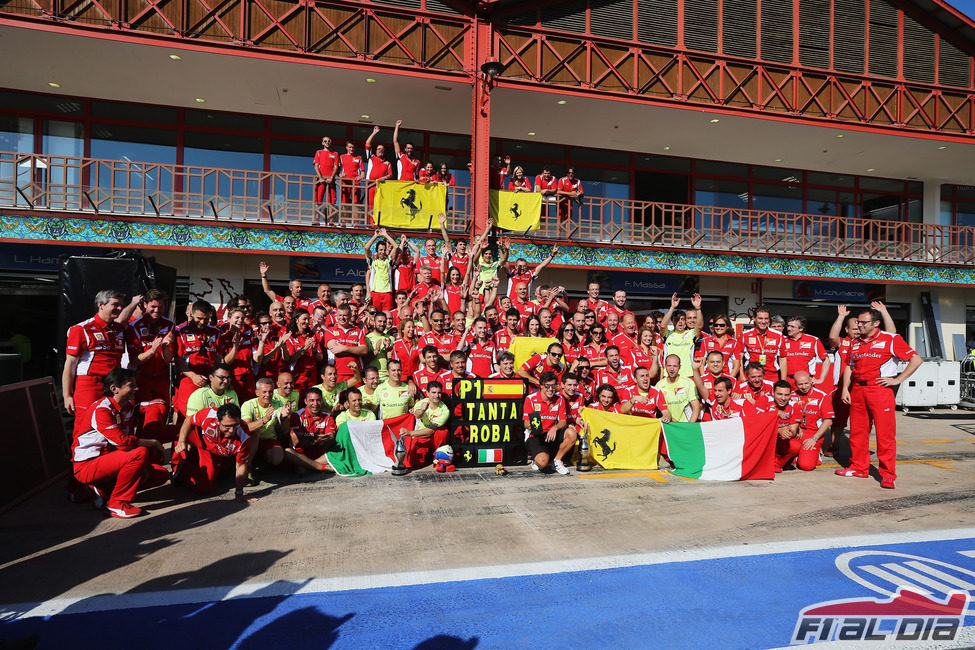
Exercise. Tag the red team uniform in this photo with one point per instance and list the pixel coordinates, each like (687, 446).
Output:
(212, 451)
(807, 354)
(99, 347)
(378, 168)
(352, 167)
(871, 403)
(812, 408)
(198, 349)
(565, 204)
(764, 349)
(153, 373)
(325, 163)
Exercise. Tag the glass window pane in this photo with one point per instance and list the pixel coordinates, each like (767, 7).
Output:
(308, 127)
(603, 156)
(834, 180)
(234, 151)
(552, 152)
(965, 191)
(16, 134)
(945, 215)
(881, 206)
(822, 202)
(116, 142)
(881, 184)
(915, 188)
(63, 146)
(779, 198)
(41, 103)
(663, 162)
(721, 193)
(220, 120)
(721, 168)
(778, 174)
(448, 141)
(135, 112)
(914, 211)
(965, 215)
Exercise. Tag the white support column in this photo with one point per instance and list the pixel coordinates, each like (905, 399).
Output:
(931, 203)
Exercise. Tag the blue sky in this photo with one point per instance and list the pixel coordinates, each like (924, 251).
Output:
(965, 6)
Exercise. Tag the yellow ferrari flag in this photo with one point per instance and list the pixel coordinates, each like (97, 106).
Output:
(525, 346)
(405, 204)
(515, 210)
(622, 441)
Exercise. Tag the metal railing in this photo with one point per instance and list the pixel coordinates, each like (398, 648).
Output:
(148, 190)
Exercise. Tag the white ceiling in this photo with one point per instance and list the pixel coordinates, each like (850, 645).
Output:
(90, 66)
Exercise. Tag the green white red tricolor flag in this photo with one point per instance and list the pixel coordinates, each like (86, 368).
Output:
(737, 449)
(367, 447)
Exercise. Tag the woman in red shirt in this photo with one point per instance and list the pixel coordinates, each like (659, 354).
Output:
(571, 349)
(519, 183)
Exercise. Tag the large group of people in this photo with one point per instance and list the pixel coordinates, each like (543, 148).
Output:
(263, 388)
(344, 179)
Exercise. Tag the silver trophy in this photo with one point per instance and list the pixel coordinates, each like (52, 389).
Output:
(399, 452)
(583, 464)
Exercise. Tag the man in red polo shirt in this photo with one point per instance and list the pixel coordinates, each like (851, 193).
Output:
(512, 329)
(325, 165)
(625, 339)
(155, 336)
(867, 387)
(430, 371)
(706, 381)
(814, 409)
(481, 350)
(763, 345)
(546, 436)
(351, 171)
(614, 373)
(94, 348)
(378, 169)
(755, 388)
(456, 372)
(106, 450)
(804, 352)
(539, 364)
(569, 191)
(406, 164)
(196, 352)
(347, 343)
(521, 302)
(520, 273)
(406, 348)
(618, 307)
(547, 185)
(723, 407)
(438, 338)
(788, 442)
(295, 289)
(642, 399)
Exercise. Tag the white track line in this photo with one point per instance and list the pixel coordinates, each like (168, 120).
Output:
(105, 602)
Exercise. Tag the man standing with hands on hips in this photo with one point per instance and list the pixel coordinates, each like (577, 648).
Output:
(868, 384)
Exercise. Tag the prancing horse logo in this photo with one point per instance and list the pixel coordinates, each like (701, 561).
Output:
(514, 211)
(602, 441)
(411, 204)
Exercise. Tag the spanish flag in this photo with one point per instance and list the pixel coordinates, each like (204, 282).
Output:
(406, 204)
(619, 441)
(516, 210)
(523, 347)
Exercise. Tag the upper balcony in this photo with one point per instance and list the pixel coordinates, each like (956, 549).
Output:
(60, 184)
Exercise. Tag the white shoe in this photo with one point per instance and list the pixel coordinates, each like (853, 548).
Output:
(535, 467)
(560, 467)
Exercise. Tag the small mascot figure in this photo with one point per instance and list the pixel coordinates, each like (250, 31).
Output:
(443, 459)
(500, 470)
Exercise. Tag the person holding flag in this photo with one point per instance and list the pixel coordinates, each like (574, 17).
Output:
(546, 436)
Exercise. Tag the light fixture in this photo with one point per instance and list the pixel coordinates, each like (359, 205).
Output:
(561, 102)
(363, 117)
(175, 57)
(53, 84)
(665, 149)
(531, 133)
(200, 100)
(715, 121)
(778, 160)
(370, 80)
(871, 169)
(840, 136)
(492, 68)
(942, 148)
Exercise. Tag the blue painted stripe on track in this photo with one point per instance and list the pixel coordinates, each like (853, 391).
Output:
(732, 602)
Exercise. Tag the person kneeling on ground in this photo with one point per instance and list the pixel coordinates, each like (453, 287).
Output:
(546, 438)
(108, 450)
(312, 433)
(267, 417)
(430, 430)
(206, 440)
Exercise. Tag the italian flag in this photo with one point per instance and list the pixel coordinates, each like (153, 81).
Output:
(737, 449)
(489, 455)
(367, 447)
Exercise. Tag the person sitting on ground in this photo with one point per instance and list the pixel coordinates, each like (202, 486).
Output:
(352, 409)
(268, 422)
(206, 441)
(312, 432)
